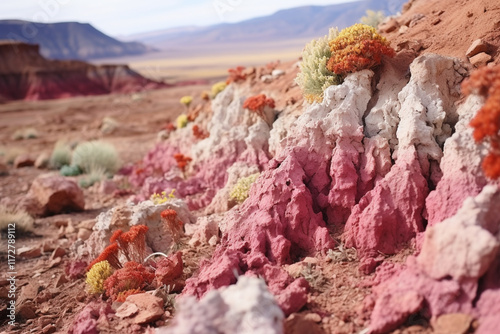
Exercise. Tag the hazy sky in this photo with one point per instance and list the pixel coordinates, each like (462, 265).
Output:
(125, 17)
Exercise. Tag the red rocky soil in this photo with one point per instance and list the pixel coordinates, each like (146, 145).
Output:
(48, 301)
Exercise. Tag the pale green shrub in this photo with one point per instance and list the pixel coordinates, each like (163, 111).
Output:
(22, 220)
(61, 155)
(314, 77)
(96, 155)
(373, 18)
(96, 174)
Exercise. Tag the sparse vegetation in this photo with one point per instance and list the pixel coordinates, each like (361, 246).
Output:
(357, 48)
(342, 254)
(240, 191)
(314, 77)
(96, 174)
(373, 18)
(61, 155)
(109, 125)
(236, 75)
(22, 220)
(257, 103)
(96, 156)
(186, 100)
(181, 121)
(70, 170)
(96, 276)
(217, 88)
(313, 274)
(129, 280)
(9, 154)
(486, 83)
(29, 133)
(163, 197)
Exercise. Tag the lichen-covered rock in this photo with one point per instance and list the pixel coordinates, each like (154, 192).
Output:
(159, 238)
(222, 201)
(246, 307)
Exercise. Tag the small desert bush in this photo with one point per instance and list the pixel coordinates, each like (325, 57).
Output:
(163, 197)
(186, 100)
(357, 48)
(217, 88)
(9, 154)
(97, 275)
(109, 125)
(181, 121)
(314, 77)
(70, 170)
(236, 75)
(96, 174)
(29, 133)
(485, 82)
(373, 18)
(22, 220)
(205, 96)
(240, 191)
(258, 103)
(129, 280)
(182, 161)
(96, 156)
(61, 155)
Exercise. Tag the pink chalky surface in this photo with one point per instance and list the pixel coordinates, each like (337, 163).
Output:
(276, 225)
(390, 214)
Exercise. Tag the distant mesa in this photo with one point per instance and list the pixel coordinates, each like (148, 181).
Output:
(27, 75)
(69, 40)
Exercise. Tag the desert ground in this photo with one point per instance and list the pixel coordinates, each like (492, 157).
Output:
(371, 213)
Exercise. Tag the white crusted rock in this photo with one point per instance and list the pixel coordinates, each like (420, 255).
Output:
(159, 238)
(461, 167)
(427, 107)
(245, 308)
(206, 230)
(383, 118)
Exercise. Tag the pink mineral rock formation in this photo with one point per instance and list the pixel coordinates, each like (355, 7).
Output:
(390, 214)
(445, 276)
(87, 321)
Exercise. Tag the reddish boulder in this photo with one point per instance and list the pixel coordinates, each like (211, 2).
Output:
(52, 194)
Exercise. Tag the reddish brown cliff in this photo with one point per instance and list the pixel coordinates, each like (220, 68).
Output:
(26, 75)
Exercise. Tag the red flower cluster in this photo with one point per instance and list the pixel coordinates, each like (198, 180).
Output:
(170, 127)
(363, 55)
(236, 75)
(257, 103)
(486, 82)
(174, 225)
(198, 133)
(131, 279)
(132, 244)
(182, 161)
